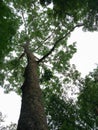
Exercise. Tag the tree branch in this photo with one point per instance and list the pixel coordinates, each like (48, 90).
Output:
(24, 21)
(43, 42)
(60, 39)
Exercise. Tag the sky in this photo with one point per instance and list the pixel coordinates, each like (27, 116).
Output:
(85, 60)
(10, 106)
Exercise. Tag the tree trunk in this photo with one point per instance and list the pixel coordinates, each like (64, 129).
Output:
(32, 115)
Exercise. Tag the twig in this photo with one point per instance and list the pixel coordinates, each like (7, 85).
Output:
(25, 46)
(22, 55)
(24, 21)
(43, 42)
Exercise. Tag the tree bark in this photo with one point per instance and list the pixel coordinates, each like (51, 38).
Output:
(32, 115)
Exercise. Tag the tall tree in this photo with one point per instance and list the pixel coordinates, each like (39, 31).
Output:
(42, 37)
(36, 34)
(69, 114)
(61, 109)
(88, 101)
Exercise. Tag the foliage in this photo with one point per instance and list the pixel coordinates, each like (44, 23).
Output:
(61, 110)
(88, 100)
(67, 113)
(44, 26)
(42, 31)
(8, 25)
(60, 113)
(85, 11)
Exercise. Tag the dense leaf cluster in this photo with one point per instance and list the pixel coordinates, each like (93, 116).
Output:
(63, 113)
(85, 11)
(8, 25)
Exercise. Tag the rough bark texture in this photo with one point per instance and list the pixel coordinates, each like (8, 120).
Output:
(32, 115)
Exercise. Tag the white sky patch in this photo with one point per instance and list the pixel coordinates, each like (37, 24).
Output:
(86, 56)
(10, 106)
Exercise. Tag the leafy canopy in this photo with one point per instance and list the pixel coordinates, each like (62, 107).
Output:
(9, 22)
(43, 31)
(43, 25)
(84, 11)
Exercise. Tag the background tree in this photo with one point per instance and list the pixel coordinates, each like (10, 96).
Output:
(61, 109)
(81, 113)
(87, 101)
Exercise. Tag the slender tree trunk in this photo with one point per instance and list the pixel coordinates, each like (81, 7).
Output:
(32, 115)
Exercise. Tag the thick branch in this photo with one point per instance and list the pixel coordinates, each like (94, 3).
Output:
(60, 39)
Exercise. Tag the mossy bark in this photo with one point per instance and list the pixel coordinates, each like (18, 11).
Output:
(32, 115)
